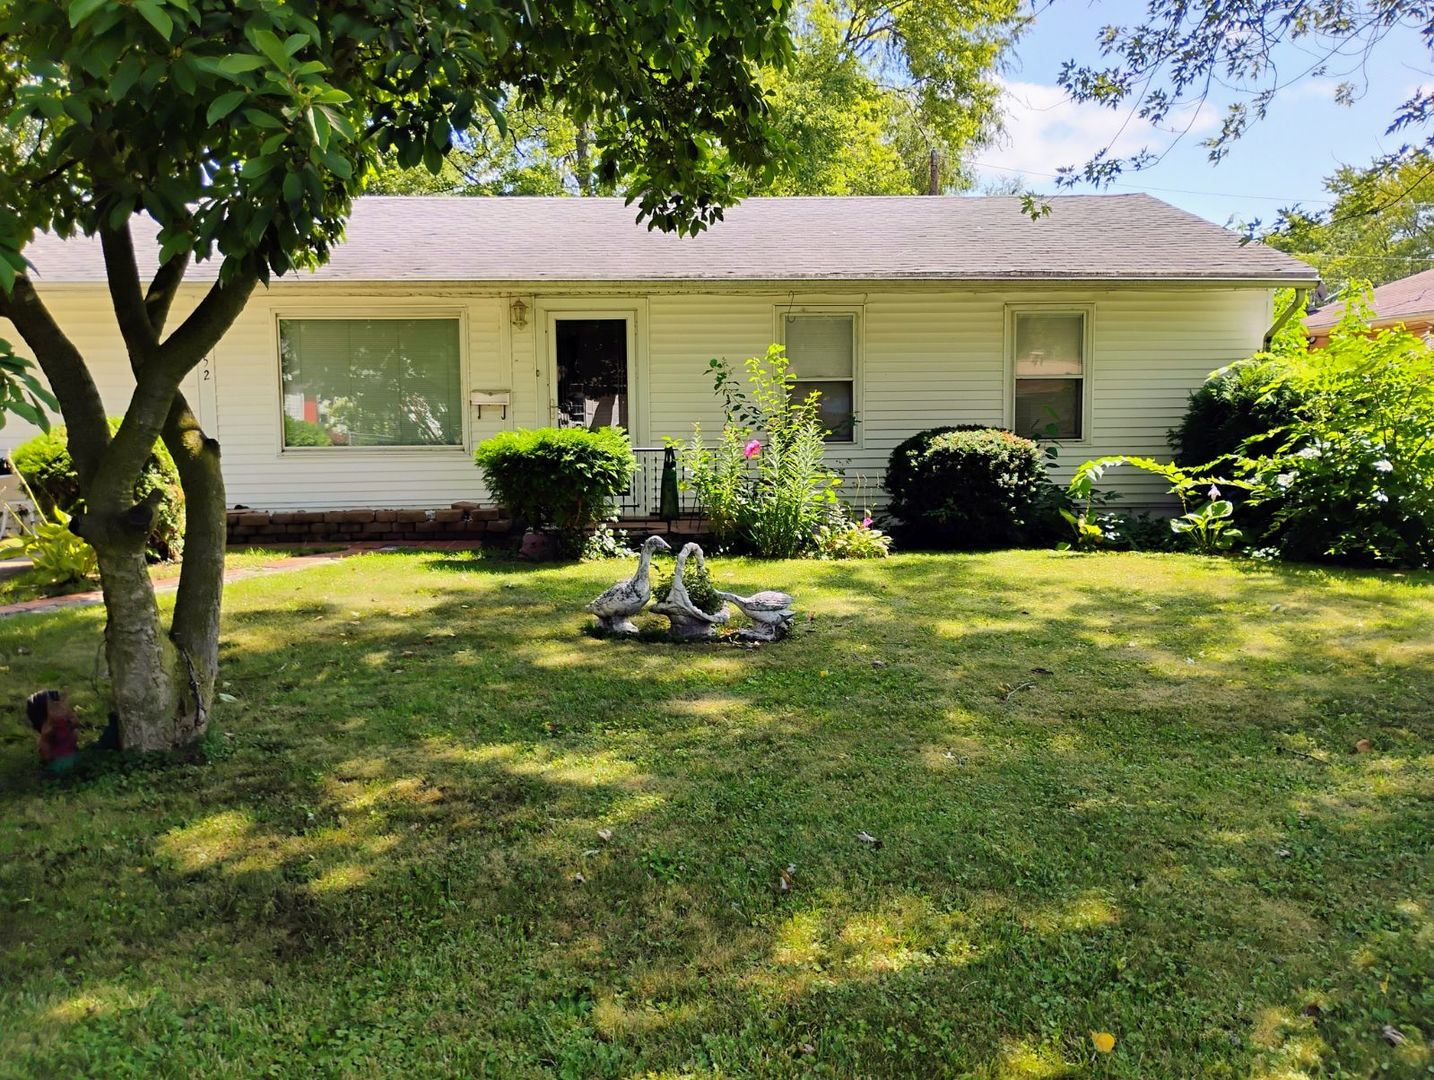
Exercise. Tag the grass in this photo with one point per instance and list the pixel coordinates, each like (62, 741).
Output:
(1113, 793)
(24, 586)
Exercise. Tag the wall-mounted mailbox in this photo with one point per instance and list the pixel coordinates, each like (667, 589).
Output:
(496, 398)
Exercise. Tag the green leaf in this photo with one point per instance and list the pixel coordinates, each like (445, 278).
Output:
(239, 63)
(267, 42)
(156, 16)
(80, 10)
(124, 76)
(225, 104)
(259, 118)
(25, 411)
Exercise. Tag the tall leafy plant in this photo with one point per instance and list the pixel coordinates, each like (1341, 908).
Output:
(1206, 520)
(765, 485)
(1353, 475)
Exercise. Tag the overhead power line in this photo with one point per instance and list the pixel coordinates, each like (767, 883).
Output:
(1152, 187)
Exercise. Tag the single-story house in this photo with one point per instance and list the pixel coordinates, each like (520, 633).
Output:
(1408, 302)
(439, 321)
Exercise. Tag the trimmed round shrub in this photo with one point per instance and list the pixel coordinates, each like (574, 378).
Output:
(900, 464)
(46, 465)
(967, 487)
(1234, 404)
(566, 478)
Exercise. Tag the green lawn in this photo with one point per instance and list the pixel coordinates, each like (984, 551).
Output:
(1113, 793)
(23, 586)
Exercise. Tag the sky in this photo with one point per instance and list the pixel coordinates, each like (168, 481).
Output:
(1280, 161)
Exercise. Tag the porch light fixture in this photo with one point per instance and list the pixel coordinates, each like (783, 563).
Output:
(519, 311)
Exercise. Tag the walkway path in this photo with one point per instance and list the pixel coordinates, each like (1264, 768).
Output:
(278, 566)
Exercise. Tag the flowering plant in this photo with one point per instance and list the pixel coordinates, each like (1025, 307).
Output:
(764, 485)
(1352, 476)
(843, 538)
(1207, 525)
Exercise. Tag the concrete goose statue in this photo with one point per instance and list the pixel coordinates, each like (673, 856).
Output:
(616, 607)
(770, 611)
(689, 622)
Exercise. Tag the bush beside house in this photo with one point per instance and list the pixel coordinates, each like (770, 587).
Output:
(561, 478)
(45, 464)
(1325, 455)
(967, 487)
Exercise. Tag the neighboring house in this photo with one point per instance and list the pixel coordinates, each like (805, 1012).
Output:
(1408, 302)
(441, 321)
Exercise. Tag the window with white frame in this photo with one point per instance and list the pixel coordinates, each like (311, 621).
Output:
(371, 382)
(822, 350)
(1049, 349)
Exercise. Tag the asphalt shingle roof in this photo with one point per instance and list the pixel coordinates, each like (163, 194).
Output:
(1402, 299)
(1086, 237)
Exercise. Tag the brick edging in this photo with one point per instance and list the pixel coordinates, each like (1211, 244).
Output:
(460, 521)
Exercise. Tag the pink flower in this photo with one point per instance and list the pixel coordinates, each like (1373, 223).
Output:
(866, 522)
(752, 449)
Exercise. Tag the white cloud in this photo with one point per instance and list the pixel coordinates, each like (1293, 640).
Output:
(1045, 129)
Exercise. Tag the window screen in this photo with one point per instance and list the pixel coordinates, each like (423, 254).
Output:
(371, 382)
(822, 350)
(1050, 374)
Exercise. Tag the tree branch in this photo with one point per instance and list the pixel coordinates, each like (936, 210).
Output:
(65, 371)
(162, 290)
(206, 324)
(122, 275)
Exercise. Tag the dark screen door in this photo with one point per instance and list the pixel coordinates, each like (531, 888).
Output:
(592, 373)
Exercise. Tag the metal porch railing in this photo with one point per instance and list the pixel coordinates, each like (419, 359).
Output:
(643, 498)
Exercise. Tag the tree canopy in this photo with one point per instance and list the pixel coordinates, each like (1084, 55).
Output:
(1379, 228)
(873, 91)
(1162, 69)
(244, 128)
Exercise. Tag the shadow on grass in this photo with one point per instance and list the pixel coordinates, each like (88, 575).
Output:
(1078, 770)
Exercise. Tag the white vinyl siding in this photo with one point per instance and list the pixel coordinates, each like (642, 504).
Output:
(928, 355)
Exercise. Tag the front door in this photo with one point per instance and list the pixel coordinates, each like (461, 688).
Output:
(591, 361)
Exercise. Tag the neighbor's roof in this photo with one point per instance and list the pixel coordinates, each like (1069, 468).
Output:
(509, 239)
(1407, 298)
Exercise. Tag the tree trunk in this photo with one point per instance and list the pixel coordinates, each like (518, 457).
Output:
(142, 663)
(582, 163)
(195, 628)
(161, 684)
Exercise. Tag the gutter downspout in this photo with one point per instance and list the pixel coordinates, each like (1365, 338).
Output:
(1297, 303)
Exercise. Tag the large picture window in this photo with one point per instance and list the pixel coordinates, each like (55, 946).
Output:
(371, 382)
(822, 350)
(1050, 373)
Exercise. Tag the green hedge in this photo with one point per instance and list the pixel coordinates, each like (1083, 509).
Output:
(561, 477)
(967, 487)
(45, 464)
(1236, 403)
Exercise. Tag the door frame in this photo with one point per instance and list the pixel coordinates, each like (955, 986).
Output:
(630, 310)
